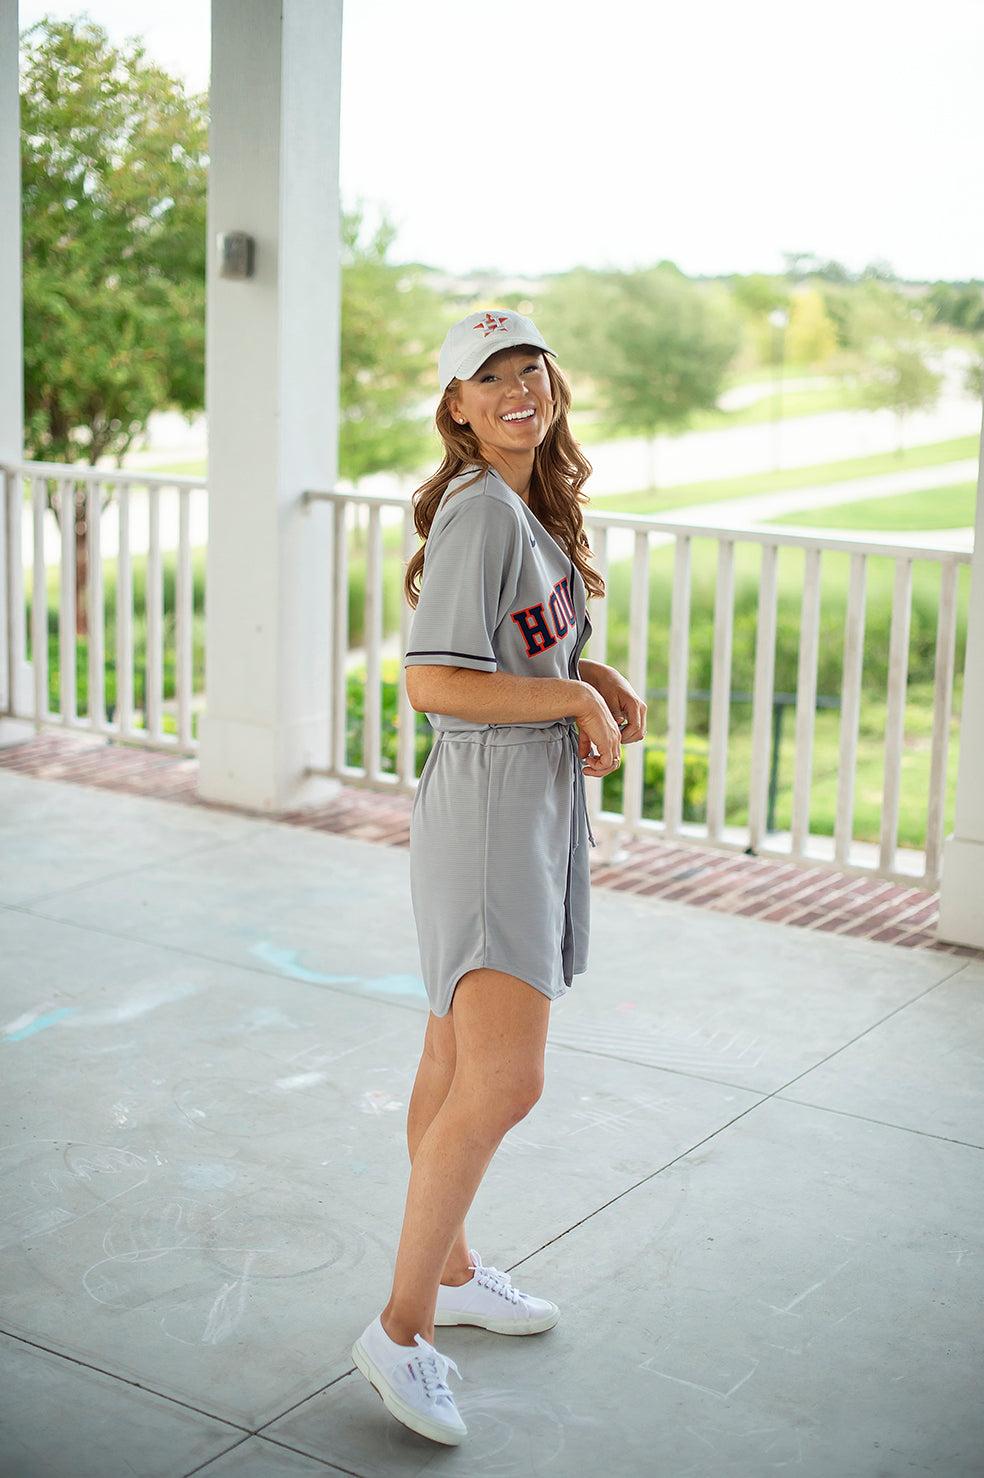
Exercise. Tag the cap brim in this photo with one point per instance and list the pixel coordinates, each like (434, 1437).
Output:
(474, 361)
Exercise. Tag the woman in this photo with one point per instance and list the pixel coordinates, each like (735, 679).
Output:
(499, 868)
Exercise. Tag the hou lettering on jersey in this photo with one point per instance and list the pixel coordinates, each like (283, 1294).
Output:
(539, 633)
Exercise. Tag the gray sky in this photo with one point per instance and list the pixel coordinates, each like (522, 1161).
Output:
(534, 135)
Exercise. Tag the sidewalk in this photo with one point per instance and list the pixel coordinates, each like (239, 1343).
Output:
(753, 1183)
(763, 507)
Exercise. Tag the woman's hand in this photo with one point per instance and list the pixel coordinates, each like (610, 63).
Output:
(599, 739)
(624, 704)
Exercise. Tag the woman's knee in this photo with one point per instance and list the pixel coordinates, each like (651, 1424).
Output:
(507, 1103)
(527, 1097)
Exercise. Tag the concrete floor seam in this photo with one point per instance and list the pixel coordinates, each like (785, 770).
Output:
(203, 1467)
(284, 1446)
(247, 1432)
(313, 1457)
(637, 1185)
(262, 1430)
(128, 872)
(659, 1067)
(752, 1108)
(125, 1380)
(823, 1108)
(875, 1025)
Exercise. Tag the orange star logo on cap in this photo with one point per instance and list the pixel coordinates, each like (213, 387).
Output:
(490, 323)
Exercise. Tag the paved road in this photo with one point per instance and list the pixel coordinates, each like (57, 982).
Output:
(802, 441)
(694, 456)
(763, 507)
(623, 466)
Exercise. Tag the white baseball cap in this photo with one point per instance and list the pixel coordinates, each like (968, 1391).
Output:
(473, 340)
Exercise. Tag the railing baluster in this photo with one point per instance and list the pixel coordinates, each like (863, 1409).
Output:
(633, 769)
(806, 700)
(898, 671)
(946, 638)
(154, 667)
(39, 603)
(184, 612)
(406, 736)
(676, 703)
(598, 652)
(598, 610)
(372, 728)
(124, 617)
(366, 512)
(720, 717)
(850, 708)
(15, 625)
(765, 667)
(78, 493)
(67, 632)
(96, 642)
(339, 713)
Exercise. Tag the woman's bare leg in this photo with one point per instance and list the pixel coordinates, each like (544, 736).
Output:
(431, 1087)
(500, 1031)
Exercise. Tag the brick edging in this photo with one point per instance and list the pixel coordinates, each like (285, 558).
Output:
(732, 883)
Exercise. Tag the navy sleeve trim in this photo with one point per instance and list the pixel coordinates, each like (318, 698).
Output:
(471, 656)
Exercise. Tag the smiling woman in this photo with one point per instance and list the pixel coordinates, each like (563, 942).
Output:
(499, 835)
(509, 407)
(547, 464)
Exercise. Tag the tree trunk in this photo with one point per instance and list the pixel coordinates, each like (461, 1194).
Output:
(80, 529)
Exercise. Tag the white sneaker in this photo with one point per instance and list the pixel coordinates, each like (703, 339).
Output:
(412, 1380)
(489, 1301)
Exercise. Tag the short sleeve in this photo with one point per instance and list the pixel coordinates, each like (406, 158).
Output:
(471, 573)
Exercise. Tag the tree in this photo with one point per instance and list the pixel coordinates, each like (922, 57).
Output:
(758, 295)
(958, 304)
(114, 183)
(811, 337)
(869, 315)
(654, 344)
(113, 158)
(903, 382)
(391, 321)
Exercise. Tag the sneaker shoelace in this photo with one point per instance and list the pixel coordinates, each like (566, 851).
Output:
(433, 1369)
(497, 1282)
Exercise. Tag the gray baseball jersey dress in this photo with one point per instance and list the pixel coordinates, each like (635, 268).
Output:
(499, 872)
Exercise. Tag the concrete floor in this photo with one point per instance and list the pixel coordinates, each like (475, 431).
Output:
(754, 1183)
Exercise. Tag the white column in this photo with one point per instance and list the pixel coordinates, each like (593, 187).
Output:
(962, 887)
(272, 396)
(11, 329)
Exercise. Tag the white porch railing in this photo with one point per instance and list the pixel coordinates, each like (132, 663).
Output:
(138, 654)
(381, 530)
(140, 663)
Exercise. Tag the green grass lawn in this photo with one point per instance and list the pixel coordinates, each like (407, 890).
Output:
(937, 508)
(592, 428)
(139, 628)
(835, 573)
(790, 403)
(869, 773)
(951, 507)
(177, 469)
(685, 495)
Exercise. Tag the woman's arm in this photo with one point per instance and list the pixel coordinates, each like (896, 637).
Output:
(503, 698)
(624, 703)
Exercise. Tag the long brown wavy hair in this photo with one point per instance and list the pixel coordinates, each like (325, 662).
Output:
(560, 470)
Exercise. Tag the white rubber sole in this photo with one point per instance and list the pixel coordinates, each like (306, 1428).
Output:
(396, 1406)
(448, 1317)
